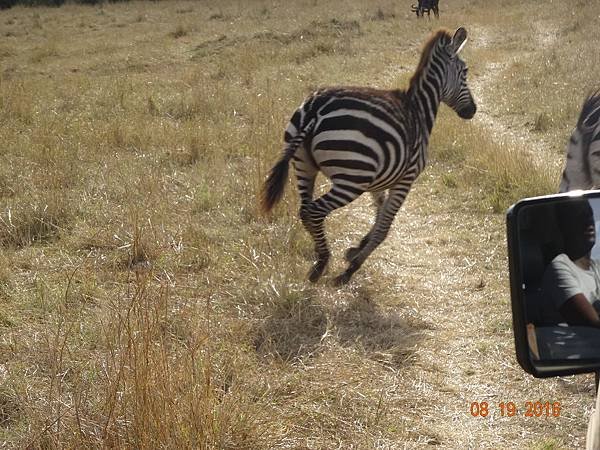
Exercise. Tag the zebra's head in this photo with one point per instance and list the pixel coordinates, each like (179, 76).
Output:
(455, 92)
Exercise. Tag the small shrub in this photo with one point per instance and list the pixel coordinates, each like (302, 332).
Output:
(179, 32)
(449, 180)
(38, 220)
(543, 123)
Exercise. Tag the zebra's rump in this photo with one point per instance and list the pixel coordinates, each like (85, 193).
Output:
(362, 136)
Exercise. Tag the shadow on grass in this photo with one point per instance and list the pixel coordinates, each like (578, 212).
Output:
(384, 336)
(297, 326)
(293, 328)
(576, 385)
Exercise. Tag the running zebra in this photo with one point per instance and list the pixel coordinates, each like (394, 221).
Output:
(366, 139)
(582, 168)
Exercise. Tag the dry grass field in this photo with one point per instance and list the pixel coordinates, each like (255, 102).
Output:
(144, 302)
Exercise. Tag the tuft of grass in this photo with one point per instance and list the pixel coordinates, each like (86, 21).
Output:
(49, 50)
(449, 180)
(503, 170)
(10, 410)
(548, 444)
(35, 221)
(293, 327)
(179, 32)
(542, 123)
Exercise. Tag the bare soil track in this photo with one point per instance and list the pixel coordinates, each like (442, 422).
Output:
(449, 262)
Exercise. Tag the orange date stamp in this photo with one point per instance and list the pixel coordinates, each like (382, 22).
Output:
(512, 409)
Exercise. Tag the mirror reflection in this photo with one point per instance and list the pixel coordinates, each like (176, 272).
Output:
(560, 265)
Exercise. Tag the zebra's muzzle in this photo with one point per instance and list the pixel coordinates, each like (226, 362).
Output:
(468, 112)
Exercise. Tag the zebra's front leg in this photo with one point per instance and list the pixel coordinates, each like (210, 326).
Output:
(377, 234)
(379, 200)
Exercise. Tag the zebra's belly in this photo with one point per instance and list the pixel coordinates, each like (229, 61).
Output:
(359, 172)
(367, 180)
(363, 174)
(388, 180)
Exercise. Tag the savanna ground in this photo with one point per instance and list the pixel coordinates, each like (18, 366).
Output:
(144, 302)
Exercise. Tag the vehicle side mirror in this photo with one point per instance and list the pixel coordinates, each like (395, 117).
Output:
(552, 257)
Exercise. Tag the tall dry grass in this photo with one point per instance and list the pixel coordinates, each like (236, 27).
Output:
(143, 301)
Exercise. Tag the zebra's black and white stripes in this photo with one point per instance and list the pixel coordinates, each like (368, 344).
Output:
(368, 140)
(582, 168)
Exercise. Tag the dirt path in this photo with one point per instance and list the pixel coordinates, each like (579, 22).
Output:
(450, 266)
(474, 346)
(490, 78)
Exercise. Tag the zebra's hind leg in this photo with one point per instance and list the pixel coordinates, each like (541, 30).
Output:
(378, 232)
(313, 216)
(306, 174)
(314, 222)
(379, 199)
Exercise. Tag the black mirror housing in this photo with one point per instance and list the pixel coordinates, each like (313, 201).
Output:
(552, 336)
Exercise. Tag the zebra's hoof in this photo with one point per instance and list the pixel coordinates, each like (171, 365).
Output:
(342, 279)
(351, 253)
(316, 271)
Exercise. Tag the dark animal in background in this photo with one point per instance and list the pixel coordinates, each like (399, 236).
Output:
(582, 168)
(426, 6)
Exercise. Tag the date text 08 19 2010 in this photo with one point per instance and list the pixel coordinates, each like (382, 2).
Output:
(510, 409)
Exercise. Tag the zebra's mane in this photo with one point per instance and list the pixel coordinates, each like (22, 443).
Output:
(590, 111)
(440, 35)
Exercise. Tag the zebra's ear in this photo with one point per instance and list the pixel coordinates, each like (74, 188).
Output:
(459, 40)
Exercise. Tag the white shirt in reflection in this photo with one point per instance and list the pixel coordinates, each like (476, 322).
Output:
(563, 279)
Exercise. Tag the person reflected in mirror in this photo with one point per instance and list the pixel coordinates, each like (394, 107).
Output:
(572, 279)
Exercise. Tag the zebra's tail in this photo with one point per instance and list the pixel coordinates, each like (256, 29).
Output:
(272, 190)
